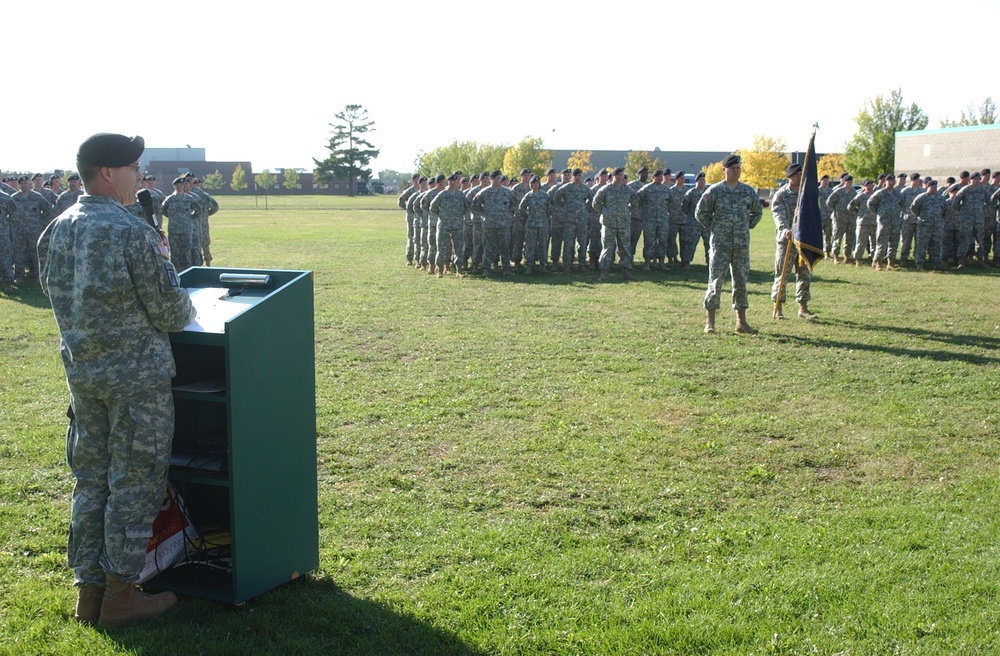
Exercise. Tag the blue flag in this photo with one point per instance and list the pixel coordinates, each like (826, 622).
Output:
(808, 234)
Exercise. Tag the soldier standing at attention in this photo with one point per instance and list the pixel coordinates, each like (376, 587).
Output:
(885, 202)
(401, 202)
(413, 207)
(517, 223)
(209, 206)
(971, 201)
(31, 214)
(637, 222)
(594, 224)
(450, 207)
(654, 208)
(7, 208)
(494, 204)
(729, 209)
(115, 296)
(783, 205)
(906, 196)
(179, 209)
(865, 236)
(928, 210)
(844, 220)
(431, 220)
(557, 224)
(69, 197)
(615, 203)
(676, 199)
(691, 231)
(536, 210)
(573, 199)
(826, 213)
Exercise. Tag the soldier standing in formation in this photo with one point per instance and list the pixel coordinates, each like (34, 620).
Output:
(783, 206)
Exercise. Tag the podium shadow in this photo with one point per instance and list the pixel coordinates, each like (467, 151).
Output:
(307, 616)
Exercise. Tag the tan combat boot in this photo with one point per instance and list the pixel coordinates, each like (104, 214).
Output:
(124, 603)
(88, 603)
(778, 314)
(805, 313)
(741, 324)
(710, 323)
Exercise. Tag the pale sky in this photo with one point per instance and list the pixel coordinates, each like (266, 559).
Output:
(263, 82)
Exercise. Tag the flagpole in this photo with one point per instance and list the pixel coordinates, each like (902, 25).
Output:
(779, 298)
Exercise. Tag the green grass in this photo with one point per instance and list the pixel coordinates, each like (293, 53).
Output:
(556, 466)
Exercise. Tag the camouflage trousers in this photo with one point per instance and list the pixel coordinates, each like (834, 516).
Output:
(594, 238)
(989, 230)
(865, 240)
(24, 243)
(473, 247)
(690, 234)
(949, 244)
(536, 242)
(118, 448)
(736, 261)
(673, 230)
(844, 231)
(827, 235)
(906, 237)
(417, 242)
(803, 278)
(516, 240)
(887, 238)
(654, 242)
(429, 248)
(575, 233)
(930, 239)
(6, 254)
(970, 239)
(181, 250)
(635, 230)
(556, 232)
(450, 242)
(206, 240)
(409, 237)
(196, 245)
(615, 235)
(496, 246)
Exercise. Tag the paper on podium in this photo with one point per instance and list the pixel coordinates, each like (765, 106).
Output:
(215, 307)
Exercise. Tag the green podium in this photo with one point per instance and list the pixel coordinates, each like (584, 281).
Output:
(244, 453)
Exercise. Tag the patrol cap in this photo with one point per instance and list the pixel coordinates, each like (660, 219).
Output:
(792, 169)
(914, 176)
(577, 171)
(620, 169)
(111, 150)
(525, 171)
(732, 160)
(73, 177)
(495, 174)
(178, 180)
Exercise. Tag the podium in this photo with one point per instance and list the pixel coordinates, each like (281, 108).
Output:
(244, 451)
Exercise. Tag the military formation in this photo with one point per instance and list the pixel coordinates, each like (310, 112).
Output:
(490, 225)
(28, 203)
(888, 219)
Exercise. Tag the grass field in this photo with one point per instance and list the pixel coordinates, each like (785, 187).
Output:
(549, 465)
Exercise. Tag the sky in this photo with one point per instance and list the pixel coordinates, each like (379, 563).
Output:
(264, 84)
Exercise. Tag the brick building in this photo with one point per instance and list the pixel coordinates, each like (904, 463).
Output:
(948, 151)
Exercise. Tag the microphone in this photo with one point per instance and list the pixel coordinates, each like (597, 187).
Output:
(146, 204)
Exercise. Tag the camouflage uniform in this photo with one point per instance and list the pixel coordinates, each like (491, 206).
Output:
(906, 196)
(928, 211)
(430, 246)
(536, 210)
(7, 208)
(67, 199)
(885, 203)
(950, 239)
(114, 296)
(730, 214)
(573, 201)
(676, 199)
(826, 216)
(520, 190)
(866, 224)
(989, 219)
(783, 210)
(414, 208)
(494, 205)
(655, 211)
(450, 207)
(180, 211)
(30, 216)
(615, 205)
(691, 231)
(971, 202)
(557, 222)
(844, 219)
(402, 203)
(594, 229)
(207, 206)
(473, 249)
(635, 228)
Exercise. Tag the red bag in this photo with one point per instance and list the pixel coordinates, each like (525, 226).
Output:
(172, 533)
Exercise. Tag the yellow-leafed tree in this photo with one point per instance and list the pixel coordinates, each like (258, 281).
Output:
(764, 162)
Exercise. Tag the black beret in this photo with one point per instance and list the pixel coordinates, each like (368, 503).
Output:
(484, 174)
(846, 177)
(24, 178)
(525, 171)
(39, 175)
(73, 177)
(792, 169)
(550, 171)
(825, 177)
(149, 178)
(496, 174)
(577, 172)
(658, 172)
(565, 171)
(452, 177)
(56, 176)
(931, 182)
(700, 176)
(666, 172)
(415, 176)
(645, 168)
(440, 178)
(178, 181)
(111, 150)
(620, 169)
(914, 176)
(679, 174)
(422, 179)
(732, 160)
(976, 174)
(963, 174)
(188, 175)
(534, 178)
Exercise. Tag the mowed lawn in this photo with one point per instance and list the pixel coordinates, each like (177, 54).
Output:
(550, 465)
